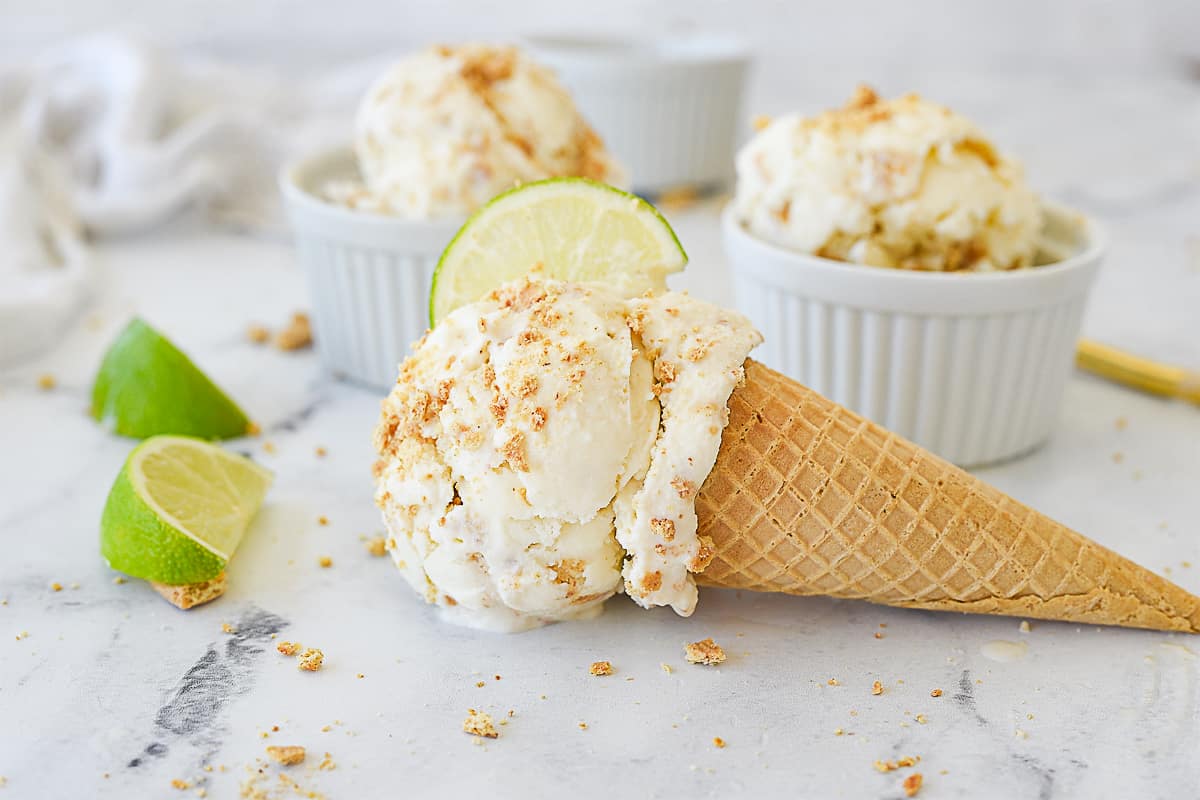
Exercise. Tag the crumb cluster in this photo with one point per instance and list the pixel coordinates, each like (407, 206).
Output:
(600, 668)
(705, 651)
(286, 755)
(480, 724)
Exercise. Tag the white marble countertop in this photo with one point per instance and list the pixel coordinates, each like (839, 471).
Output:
(115, 694)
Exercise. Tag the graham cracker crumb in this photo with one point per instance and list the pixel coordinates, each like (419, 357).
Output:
(286, 755)
(288, 648)
(912, 784)
(921, 718)
(56, 587)
(936, 693)
(257, 334)
(192, 594)
(46, 382)
(878, 635)
(663, 528)
(760, 122)
(652, 581)
(514, 452)
(118, 580)
(705, 651)
(321, 452)
(583, 726)
(327, 763)
(253, 428)
(322, 520)
(678, 198)
(325, 562)
(600, 668)
(834, 682)
(839, 732)
(311, 660)
(718, 742)
(1120, 423)
(480, 724)
(876, 688)
(181, 785)
(227, 628)
(296, 335)
(1024, 626)
(377, 546)
(686, 489)
(1118, 457)
(666, 668)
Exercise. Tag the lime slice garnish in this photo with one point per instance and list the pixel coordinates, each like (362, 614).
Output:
(573, 229)
(178, 510)
(149, 387)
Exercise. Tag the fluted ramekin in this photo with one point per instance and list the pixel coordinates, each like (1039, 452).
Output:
(368, 273)
(669, 109)
(970, 366)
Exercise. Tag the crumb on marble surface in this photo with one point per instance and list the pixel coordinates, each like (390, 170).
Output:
(311, 660)
(705, 651)
(377, 546)
(325, 562)
(600, 668)
(876, 688)
(912, 784)
(46, 382)
(288, 648)
(286, 755)
(296, 335)
(321, 452)
(56, 587)
(322, 520)
(936, 693)
(479, 723)
(718, 742)
(257, 334)
(192, 594)
(227, 628)
(180, 784)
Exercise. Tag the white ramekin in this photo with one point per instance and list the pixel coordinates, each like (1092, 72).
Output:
(368, 273)
(669, 110)
(970, 366)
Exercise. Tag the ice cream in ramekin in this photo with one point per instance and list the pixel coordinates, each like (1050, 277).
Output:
(897, 262)
(437, 136)
(901, 183)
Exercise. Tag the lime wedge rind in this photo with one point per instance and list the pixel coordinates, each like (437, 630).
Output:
(146, 386)
(570, 246)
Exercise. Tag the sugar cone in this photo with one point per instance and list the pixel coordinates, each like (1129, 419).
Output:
(809, 498)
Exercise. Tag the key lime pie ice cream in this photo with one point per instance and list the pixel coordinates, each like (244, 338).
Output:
(901, 183)
(448, 128)
(539, 436)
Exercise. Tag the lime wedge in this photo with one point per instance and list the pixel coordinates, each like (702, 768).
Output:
(574, 228)
(178, 510)
(149, 387)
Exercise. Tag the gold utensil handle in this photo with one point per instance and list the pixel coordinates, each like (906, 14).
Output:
(1137, 372)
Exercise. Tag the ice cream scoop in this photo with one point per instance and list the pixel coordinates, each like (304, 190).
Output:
(542, 449)
(448, 128)
(901, 183)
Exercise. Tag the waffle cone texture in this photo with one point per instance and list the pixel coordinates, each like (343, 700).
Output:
(809, 498)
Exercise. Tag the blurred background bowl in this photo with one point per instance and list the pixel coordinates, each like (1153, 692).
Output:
(670, 109)
(970, 366)
(368, 273)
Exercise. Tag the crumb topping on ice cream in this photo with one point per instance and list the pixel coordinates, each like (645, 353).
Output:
(542, 449)
(901, 183)
(448, 128)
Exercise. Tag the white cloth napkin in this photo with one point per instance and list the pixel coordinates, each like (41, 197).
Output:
(110, 135)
